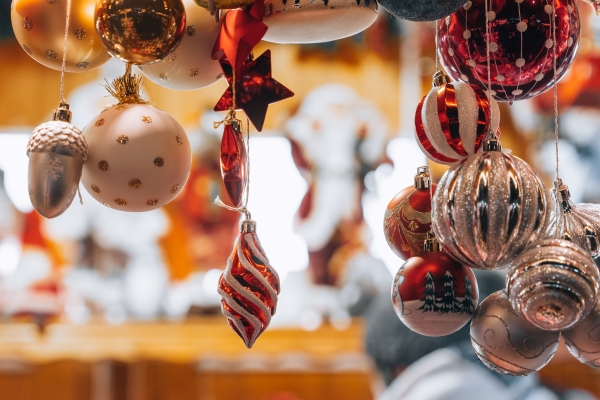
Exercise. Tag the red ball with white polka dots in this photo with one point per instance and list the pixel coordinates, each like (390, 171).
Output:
(521, 44)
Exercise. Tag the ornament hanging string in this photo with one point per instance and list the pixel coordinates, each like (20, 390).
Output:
(553, 17)
(64, 59)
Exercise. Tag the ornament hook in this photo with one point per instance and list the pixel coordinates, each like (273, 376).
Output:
(492, 144)
(422, 178)
(562, 194)
(440, 79)
(431, 244)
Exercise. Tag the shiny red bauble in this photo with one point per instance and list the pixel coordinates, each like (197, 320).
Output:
(234, 163)
(407, 221)
(521, 45)
(434, 295)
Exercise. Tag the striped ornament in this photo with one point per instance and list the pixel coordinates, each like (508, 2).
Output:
(249, 287)
(488, 208)
(453, 120)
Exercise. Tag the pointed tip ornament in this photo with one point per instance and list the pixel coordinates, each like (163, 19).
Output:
(234, 162)
(249, 286)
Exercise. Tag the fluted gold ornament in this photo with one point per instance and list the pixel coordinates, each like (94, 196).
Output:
(39, 26)
(140, 31)
(57, 151)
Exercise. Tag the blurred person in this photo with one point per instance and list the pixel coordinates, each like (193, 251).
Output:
(416, 367)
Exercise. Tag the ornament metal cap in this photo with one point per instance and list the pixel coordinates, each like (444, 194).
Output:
(595, 4)
(248, 226)
(422, 178)
(62, 113)
(431, 244)
(439, 78)
(561, 191)
(492, 144)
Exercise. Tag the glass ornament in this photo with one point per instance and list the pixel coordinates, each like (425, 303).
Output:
(579, 223)
(140, 31)
(139, 156)
(39, 26)
(412, 10)
(506, 343)
(453, 120)
(554, 284)
(583, 339)
(408, 217)
(433, 294)
(57, 151)
(521, 46)
(234, 163)
(249, 286)
(488, 207)
(309, 21)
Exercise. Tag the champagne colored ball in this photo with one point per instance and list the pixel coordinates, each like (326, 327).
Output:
(583, 340)
(488, 208)
(554, 284)
(140, 31)
(139, 157)
(434, 295)
(308, 21)
(506, 343)
(190, 66)
(39, 26)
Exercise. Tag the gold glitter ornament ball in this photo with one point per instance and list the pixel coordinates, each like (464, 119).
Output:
(140, 31)
(39, 26)
(139, 157)
(191, 65)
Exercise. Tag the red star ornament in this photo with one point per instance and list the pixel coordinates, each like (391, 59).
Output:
(241, 30)
(255, 89)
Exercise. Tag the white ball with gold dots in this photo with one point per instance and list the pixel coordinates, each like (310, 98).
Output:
(139, 157)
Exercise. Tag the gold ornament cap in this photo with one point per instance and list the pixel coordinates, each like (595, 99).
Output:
(431, 244)
(422, 178)
(248, 226)
(62, 113)
(439, 79)
(492, 144)
(561, 191)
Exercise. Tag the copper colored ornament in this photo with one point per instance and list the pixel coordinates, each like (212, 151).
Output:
(507, 344)
(583, 339)
(39, 26)
(579, 223)
(408, 217)
(255, 89)
(433, 294)
(521, 46)
(453, 120)
(190, 66)
(241, 30)
(57, 151)
(488, 208)
(234, 163)
(140, 31)
(249, 287)
(309, 21)
(553, 285)
(140, 157)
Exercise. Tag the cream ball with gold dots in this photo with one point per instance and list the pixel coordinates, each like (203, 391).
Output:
(139, 157)
(191, 65)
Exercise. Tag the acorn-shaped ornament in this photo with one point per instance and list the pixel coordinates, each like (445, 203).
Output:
(57, 151)
(408, 217)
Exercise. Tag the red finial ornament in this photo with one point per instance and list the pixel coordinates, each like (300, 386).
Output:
(249, 286)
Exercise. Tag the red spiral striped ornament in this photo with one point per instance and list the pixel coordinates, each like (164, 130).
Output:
(453, 120)
(249, 286)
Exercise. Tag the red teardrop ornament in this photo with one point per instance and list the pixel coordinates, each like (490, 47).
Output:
(249, 287)
(234, 163)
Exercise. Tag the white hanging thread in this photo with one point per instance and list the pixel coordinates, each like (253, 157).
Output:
(64, 59)
(553, 16)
